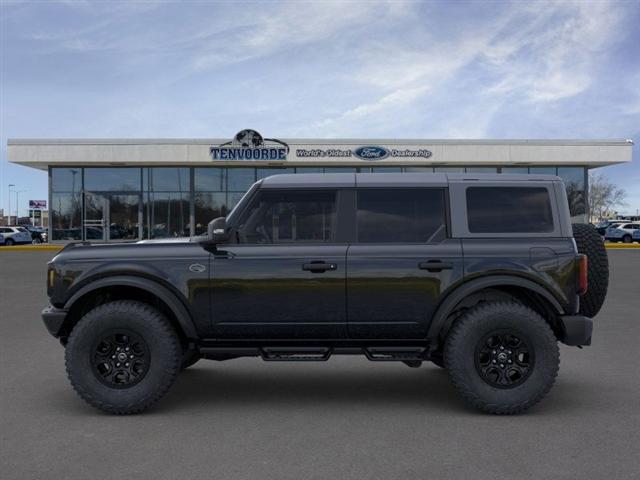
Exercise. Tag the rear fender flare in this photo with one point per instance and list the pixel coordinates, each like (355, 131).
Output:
(454, 298)
(169, 298)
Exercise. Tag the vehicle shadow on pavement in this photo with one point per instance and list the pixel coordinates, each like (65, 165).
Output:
(215, 384)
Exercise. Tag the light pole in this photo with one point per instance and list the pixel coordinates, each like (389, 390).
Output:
(9, 211)
(18, 192)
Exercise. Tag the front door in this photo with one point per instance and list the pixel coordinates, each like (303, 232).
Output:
(112, 217)
(285, 276)
(401, 262)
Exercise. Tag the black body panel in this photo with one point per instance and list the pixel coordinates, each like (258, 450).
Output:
(339, 294)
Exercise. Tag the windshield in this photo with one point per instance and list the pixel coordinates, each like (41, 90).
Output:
(234, 210)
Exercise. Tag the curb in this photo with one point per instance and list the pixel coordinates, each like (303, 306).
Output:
(26, 248)
(622, 246)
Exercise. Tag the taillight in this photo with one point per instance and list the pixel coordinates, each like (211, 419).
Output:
(583, 278)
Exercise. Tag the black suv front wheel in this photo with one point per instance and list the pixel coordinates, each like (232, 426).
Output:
(123, 356)
(502, 357)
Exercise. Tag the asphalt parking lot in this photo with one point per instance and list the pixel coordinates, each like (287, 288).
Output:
(346, 418)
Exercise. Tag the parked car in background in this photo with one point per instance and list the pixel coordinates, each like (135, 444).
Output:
(602, 226)
(621, 233)
(1, 239)
(636, 235)
(38, 234)
(15, 235)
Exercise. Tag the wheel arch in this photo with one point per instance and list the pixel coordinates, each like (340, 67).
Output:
(134, 288)
(521, 289)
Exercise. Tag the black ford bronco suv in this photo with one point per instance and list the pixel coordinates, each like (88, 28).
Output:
(480, 274)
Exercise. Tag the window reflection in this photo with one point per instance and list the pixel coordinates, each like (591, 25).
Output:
(208, 205)
(167, 215)
(112, 179)
(65, 216)
(166, 179)
(66, 179)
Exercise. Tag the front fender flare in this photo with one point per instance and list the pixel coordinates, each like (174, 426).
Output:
(176, 306)
(460, 293)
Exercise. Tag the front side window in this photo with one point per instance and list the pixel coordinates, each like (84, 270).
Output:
(509, 210)
(390, 215)
(290, 217)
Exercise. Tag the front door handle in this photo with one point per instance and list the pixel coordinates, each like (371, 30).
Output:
(318, 266)
(435, 266)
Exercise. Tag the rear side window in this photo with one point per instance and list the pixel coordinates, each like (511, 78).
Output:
(390, 215)
(509, 210)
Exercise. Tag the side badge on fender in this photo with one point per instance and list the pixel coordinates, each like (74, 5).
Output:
(196, 267)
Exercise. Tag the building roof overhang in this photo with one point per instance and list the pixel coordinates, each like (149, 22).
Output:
(43, 153)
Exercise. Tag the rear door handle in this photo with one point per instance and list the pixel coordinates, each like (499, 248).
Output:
(435, 266)
(318, 266)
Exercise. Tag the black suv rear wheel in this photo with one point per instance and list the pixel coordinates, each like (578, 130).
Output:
(502, 357)
(123, 356)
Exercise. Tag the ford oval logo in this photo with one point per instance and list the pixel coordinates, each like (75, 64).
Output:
(371, 153)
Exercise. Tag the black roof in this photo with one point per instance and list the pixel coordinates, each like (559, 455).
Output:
(409, 179)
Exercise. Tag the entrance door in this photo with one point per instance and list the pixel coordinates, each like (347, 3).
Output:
(112, 217)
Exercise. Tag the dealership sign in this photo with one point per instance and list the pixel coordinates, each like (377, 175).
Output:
(250, 145)
(38, 204)
(365, 152)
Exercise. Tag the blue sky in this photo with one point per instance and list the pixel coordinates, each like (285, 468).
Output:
(323, 69)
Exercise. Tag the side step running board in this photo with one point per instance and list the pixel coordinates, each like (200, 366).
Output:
(295, 354)
(395, 354)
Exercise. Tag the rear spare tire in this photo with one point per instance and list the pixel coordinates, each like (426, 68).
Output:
(589, 243)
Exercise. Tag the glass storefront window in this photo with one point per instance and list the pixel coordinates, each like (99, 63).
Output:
(65, 211)
(418, 169)
(112, 179)
(543, 170)
(267, 172)
(573, 178)
(166, 179)
(208, 205)
(340, 169)
(167, 215)
(481, 170)
(383, 169)
(514, 170)
(309, 169)
(240, 179)
(449, 169)
(66, 179)
(210, 179)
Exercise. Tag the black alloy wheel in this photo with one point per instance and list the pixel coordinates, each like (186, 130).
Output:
(120, 359)
(504, 359)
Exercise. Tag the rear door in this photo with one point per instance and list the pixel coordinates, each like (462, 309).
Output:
(400, 263)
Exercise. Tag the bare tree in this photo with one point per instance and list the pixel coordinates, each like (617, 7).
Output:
(604, 196)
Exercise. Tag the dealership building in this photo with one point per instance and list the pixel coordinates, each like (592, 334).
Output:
(131, 189)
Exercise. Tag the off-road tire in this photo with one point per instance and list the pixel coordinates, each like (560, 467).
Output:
(589, 243)
(164, 350)
(9, 242)
(189, 357)
(460, 357)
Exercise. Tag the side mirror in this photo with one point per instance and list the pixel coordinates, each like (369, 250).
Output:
(217, 230)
